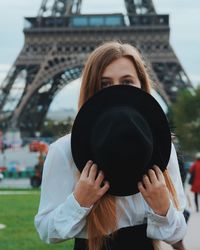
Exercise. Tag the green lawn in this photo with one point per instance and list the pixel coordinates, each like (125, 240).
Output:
(17, 213)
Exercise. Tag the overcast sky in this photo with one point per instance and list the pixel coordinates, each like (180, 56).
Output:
(184, 36)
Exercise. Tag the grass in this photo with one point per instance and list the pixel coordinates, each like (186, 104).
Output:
(17, 213)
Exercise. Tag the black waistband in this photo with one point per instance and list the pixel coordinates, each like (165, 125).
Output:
(129, 238)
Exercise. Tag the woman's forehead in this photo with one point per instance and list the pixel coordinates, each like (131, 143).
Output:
(120, 67)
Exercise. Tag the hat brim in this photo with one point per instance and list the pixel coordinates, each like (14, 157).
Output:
(116, 96)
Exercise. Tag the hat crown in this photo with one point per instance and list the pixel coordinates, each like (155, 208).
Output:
(121, 137)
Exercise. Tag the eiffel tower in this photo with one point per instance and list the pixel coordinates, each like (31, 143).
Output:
(57, 42)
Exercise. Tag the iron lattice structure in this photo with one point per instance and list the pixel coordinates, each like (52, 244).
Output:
(57, 43)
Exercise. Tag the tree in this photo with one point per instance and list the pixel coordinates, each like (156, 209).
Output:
(186, 118)
(56, 128)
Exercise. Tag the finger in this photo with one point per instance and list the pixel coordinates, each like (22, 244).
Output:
(146, 181)
(152, 176)
(93, 172)
(86, 169)
(158, 173)
(141, 188)
(105, 187)
(99, 178)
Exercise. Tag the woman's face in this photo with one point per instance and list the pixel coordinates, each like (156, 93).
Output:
(120, 71)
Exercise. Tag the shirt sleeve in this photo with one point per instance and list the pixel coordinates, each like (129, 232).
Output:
(59, 217)
(172, 227)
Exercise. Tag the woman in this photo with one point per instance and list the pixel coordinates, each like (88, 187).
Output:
(195, 188)
(72, 207)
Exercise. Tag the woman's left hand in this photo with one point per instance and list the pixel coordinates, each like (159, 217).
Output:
(154, 190)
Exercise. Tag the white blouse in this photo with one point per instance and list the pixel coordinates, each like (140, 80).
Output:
(60, 217)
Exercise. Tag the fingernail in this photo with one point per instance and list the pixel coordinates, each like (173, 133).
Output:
(107, 183)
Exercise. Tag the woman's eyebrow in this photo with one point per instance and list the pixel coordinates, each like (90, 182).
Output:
(105, 77)
(132, 76)
(124, 76)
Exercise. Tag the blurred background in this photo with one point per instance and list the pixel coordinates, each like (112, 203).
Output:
(43, 46)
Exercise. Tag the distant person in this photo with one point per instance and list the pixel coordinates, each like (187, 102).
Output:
(195, 185)
(114, 180)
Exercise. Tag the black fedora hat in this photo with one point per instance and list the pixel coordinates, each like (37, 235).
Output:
(125, 132)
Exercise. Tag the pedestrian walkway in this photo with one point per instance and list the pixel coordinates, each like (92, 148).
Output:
(19, 192)
(192, 238)
(15, 183)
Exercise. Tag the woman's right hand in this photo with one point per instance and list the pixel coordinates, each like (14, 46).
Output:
(90, 187)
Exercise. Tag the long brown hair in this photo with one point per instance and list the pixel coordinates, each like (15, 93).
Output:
(100, 58)
(102, 218)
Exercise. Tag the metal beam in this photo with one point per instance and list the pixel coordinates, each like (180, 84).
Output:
(57, 8)
(139, 7)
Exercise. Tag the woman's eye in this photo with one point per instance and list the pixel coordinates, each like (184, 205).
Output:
(128, 82)
(105, 84)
